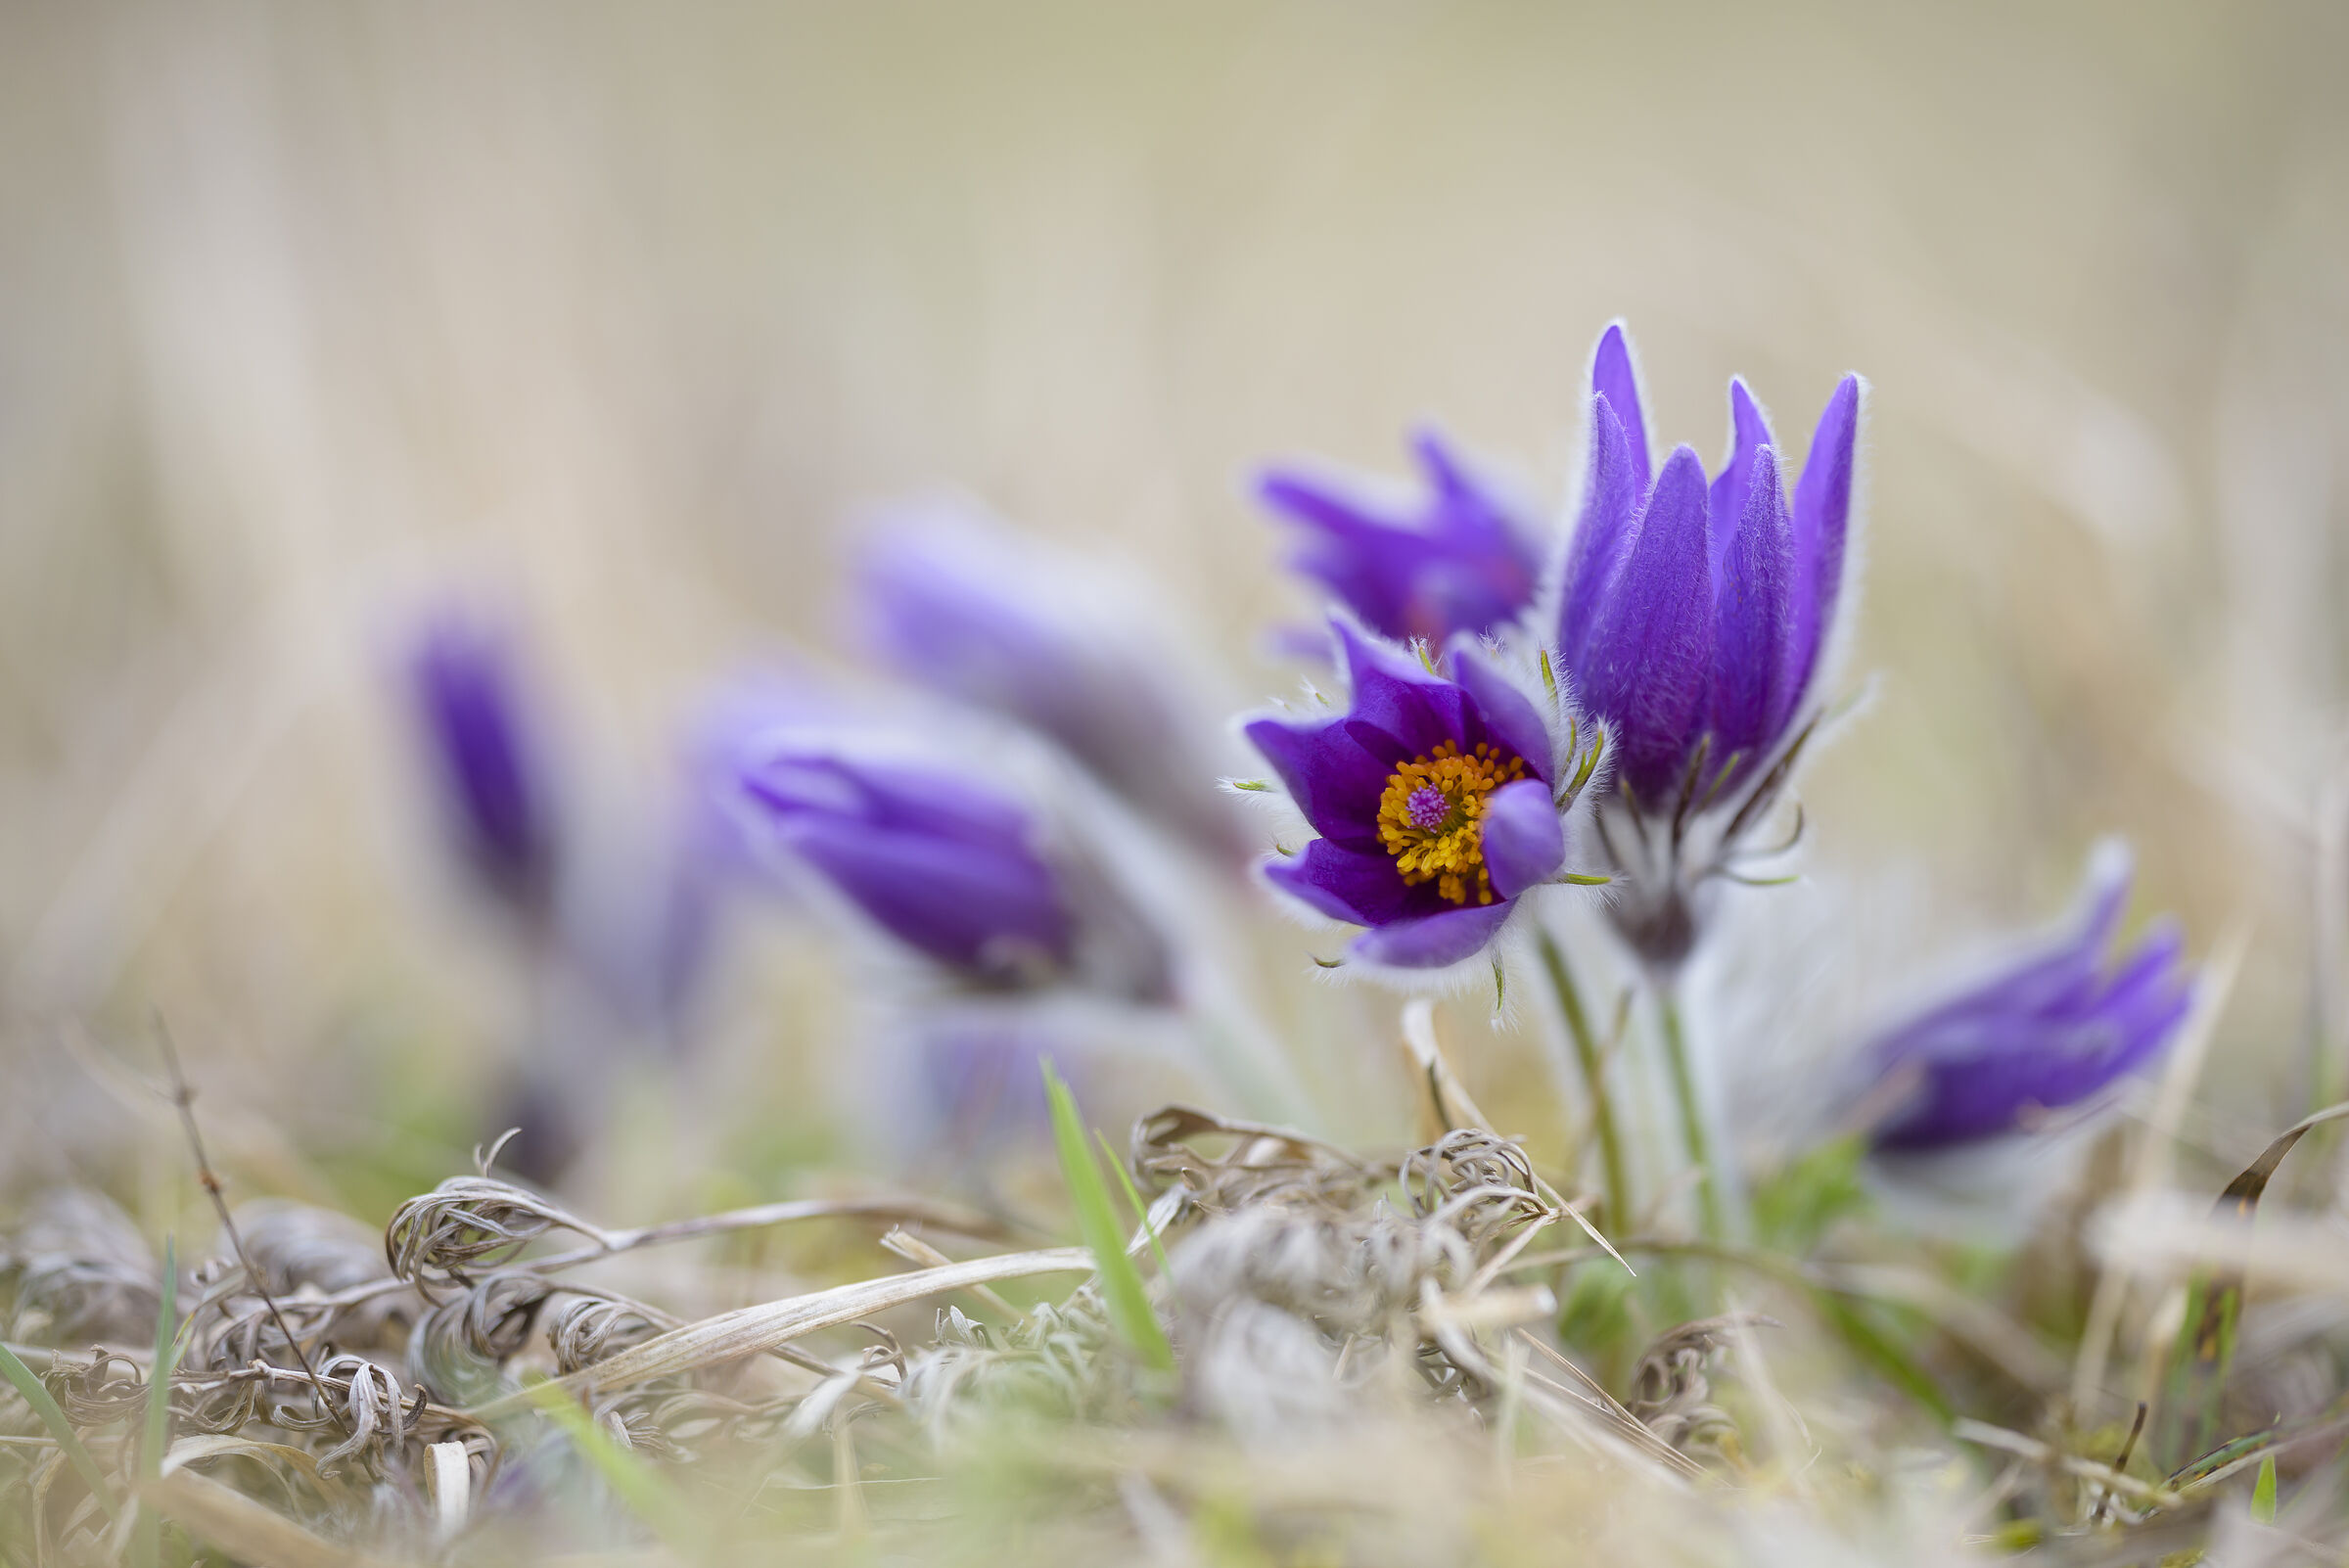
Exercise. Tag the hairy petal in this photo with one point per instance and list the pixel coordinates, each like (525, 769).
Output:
(1434, 941)
(1525, 842)
(1648, 664)
(1613, 492)
(1749, 435)
(1822, 508)
(1613, 378)
(1506, 714)
(1334, 782)
(1357, 885)
(1398, 697)
(958, 903)
(1750, 615)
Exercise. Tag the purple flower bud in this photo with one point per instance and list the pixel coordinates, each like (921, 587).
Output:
(973, 613)
(1433, 798)
(494, 789)
(2051, 1027)
(947, 866)
(1457, 562)
(1694, 615)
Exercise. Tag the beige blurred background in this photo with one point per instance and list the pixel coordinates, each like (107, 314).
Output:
(618, 314)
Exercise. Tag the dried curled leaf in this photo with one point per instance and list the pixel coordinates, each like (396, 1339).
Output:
(468, 1223)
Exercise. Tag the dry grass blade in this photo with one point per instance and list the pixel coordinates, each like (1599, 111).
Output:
(183, 1099)
(2203, 1352)
(245, 1530)
(1589, 1391)
(1985, 1435)
(751, 1329)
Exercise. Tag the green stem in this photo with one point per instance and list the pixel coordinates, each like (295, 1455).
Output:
(1602, 1105)
(1692, 1116)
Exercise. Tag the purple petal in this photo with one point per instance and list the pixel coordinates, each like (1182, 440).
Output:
(1613, 378)
(1370, 564)
(1750, 613)
(961, 904)
(1457, 562)
(1509, 718)
(1823, 507)
(1334, 782)
(1396, 696)
(1648, 663)
(1749, 432)
(1434, 941)
(1524, 839)
(493, 785)
(1613, 492)
(1353, 885)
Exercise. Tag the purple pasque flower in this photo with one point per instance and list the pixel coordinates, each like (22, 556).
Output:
(1457, 561)
(944, 863)
(960, 606)
(2052, 1027)
(1437, 798)
(475, 726)
(1695, 613)
(953, 862)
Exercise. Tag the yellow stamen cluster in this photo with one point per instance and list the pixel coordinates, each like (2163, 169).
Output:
(1449, 851)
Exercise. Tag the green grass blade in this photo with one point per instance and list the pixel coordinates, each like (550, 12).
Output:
(146, 1539)
(644, 1491)
(36, 1395)
(1133, 1196)
(2263, 1495)
(1097, 1221)
(2203, 1356)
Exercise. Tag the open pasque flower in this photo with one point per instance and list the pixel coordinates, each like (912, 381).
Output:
(1695, 612)
(1455, 561)
(1439, 801)
(2054, 1028)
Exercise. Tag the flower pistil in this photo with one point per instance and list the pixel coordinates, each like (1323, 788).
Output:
(1431, 818)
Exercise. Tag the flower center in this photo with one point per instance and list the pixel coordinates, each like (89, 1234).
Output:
(1432, 817)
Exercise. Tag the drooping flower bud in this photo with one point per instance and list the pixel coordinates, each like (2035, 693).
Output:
(2052, 1028)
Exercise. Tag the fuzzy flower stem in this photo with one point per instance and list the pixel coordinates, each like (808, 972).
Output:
(1692, 1115)
(1585, 1051)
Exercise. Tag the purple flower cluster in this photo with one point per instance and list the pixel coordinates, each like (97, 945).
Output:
(1693, 618)
(1640, 693)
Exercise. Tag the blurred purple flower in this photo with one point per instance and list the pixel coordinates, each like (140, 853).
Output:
(494, 791)
(1433, 800)
(1456, 562)
(2054, 1027)
(945, 864)
(1694, 615)
(960, 606)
